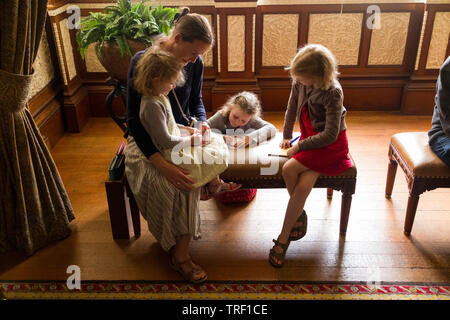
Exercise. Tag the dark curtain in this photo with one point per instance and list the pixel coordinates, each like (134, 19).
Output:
(34, 207)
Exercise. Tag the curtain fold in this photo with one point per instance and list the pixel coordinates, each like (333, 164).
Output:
(34, 207)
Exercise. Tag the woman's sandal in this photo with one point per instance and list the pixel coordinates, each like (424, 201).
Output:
(298, 232)
(222, 187)
(278, 255)
(188, 276)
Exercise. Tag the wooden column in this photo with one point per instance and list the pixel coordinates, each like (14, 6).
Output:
(236, 50)
(76, 108)
(419, 92)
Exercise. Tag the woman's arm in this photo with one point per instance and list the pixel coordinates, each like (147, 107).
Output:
(175, 175)
(196, 106)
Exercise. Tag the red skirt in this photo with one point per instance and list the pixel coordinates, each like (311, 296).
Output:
(330, 160)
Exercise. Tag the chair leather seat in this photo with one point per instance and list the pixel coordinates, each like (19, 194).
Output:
(254, 163)
(414, 149)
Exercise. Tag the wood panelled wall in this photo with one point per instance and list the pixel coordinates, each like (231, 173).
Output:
(392, 68)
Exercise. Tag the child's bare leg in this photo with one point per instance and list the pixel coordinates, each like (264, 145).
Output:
(305, 183)
(291, 171)
(297, 201)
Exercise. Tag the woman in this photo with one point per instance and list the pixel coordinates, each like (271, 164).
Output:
(439, 134)
(164, 191)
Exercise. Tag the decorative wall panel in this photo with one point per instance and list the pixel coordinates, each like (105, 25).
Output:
(44, 72)
(439, 40)
(280, 39)
(60, 53)
(236, 43)
(387, 46)
(68, 53)
(341, 33)
(208, 57)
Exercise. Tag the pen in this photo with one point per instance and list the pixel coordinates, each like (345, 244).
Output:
(293, 140)
(277, 155)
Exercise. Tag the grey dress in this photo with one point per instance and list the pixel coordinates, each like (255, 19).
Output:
(257, 129)
(169, 212)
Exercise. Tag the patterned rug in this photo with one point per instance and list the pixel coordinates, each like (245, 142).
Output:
(222, 290)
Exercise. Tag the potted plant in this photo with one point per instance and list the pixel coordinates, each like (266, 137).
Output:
(121, 31)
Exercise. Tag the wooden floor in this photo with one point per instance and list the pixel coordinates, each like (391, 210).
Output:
(236, 239)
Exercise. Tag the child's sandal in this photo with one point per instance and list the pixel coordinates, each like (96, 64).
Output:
(298, 232)
(280, 256)
(222, 187)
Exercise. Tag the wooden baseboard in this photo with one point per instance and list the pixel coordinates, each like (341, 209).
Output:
(97, 100)
(223, 89)
(76, 109)
(52, 127)
(360, 93)
(46, 109)
(418, 96)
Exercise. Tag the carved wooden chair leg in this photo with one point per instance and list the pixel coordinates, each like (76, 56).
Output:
(135, 216)
(345, 211)
(392, 170)
(329, 193)
(413, 201)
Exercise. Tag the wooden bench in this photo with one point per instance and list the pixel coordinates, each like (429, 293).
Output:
(123, 210)
(252, 167)
(423, 169)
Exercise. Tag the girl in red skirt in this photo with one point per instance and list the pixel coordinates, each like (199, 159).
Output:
(316, 99)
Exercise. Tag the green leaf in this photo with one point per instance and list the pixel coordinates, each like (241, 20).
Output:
(124, 21)
(123, 45)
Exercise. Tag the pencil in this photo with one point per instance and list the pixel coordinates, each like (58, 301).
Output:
(277, 155)
(293, 140)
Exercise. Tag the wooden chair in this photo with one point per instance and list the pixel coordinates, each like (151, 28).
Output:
(423, 169)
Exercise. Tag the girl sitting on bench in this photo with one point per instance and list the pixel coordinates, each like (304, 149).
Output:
(316, 99)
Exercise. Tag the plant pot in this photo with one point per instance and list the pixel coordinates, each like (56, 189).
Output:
(115, 64)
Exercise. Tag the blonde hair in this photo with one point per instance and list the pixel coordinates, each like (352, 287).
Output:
(247, 101)
(193, 26)
(156, 63)
(317, 62)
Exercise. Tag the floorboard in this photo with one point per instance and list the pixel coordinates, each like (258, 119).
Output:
(236, 239)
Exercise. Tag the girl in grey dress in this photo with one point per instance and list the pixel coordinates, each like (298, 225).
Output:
(240, 122)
